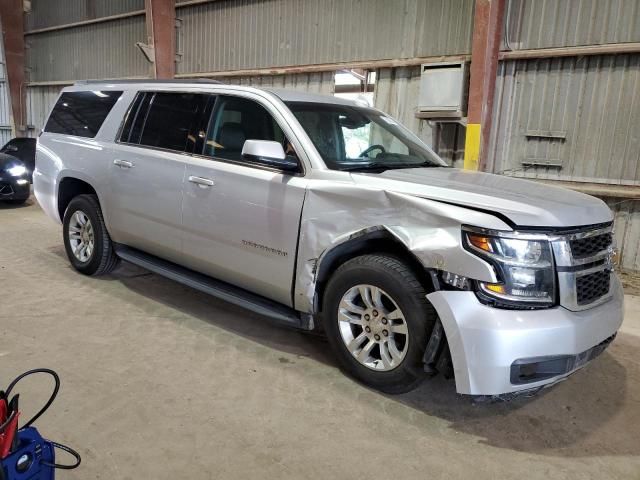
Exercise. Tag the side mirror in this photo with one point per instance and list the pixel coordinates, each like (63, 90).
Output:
(270, 154)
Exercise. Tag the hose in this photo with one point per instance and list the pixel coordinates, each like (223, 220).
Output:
(53, 396)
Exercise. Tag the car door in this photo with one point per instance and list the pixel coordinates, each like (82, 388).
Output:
(241, 218)
(146, 174)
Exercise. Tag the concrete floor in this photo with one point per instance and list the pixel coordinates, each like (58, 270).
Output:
(160, 381)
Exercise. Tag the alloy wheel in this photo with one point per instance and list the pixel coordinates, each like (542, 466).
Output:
(81, 236)
(373, 328)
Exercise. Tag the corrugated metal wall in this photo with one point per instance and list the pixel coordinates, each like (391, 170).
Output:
(578, 114)
(240, 34)
(101, 50)
(322, 83)
(40, 100)
(396, 93)
(5, 103)
(557, 23)
(49, 13)
(627, 231)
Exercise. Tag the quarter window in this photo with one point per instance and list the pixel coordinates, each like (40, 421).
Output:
(81, 113)
(135, 118)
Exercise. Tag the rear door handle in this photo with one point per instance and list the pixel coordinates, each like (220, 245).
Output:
(205, 182)
(123, 163)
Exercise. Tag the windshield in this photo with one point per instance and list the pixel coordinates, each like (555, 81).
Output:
(361, 139)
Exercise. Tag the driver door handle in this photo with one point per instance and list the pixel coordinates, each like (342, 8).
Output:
(200, 181)
(123, 163)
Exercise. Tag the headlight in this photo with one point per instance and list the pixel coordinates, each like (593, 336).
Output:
(524, 268)
(17, 171)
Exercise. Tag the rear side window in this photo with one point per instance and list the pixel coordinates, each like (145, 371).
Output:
(81, 113)
(169, 120)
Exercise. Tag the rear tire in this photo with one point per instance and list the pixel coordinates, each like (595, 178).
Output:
(86, 240)
(369, 302)
(17, 201)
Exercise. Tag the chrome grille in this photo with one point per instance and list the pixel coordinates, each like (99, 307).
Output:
(583, 261)
(587, 247)
(593, 286)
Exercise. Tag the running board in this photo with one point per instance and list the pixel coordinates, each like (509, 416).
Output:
(224, 291)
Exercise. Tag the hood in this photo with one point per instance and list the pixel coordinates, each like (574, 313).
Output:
(524, 202)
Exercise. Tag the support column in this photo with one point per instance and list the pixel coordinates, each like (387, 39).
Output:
(487, 34)
(11, 17)
(161, 35)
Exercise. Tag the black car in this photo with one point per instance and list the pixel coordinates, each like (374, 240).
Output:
(17, 161)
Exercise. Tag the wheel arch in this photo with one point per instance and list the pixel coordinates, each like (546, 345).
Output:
(70, 187)
(371, 240)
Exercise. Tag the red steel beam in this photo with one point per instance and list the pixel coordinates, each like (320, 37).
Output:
(161, 33)
(11, 17)
(487, 34)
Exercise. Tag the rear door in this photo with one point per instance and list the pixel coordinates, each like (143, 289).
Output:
(146, 174)
(240, 218)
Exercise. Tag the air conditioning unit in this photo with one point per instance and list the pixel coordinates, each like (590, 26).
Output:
(443, 90)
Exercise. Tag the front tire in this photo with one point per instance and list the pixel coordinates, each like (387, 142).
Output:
(86, 239)
(378, 322)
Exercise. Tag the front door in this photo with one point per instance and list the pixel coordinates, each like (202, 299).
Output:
(241, 219)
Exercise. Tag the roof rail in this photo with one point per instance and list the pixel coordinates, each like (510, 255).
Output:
(148, 80)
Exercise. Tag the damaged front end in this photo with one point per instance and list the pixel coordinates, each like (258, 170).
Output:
(425, 231)
(335, 216)
(474, 339)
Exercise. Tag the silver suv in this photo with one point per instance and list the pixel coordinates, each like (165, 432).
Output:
(327, 215)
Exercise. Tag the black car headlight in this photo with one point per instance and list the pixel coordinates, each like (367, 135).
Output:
(17, 170)
(524, 268)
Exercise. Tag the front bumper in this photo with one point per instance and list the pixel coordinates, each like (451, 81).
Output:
(486, 342)
(13, 188)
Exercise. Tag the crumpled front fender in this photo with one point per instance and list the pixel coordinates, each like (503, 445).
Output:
(334, 214)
